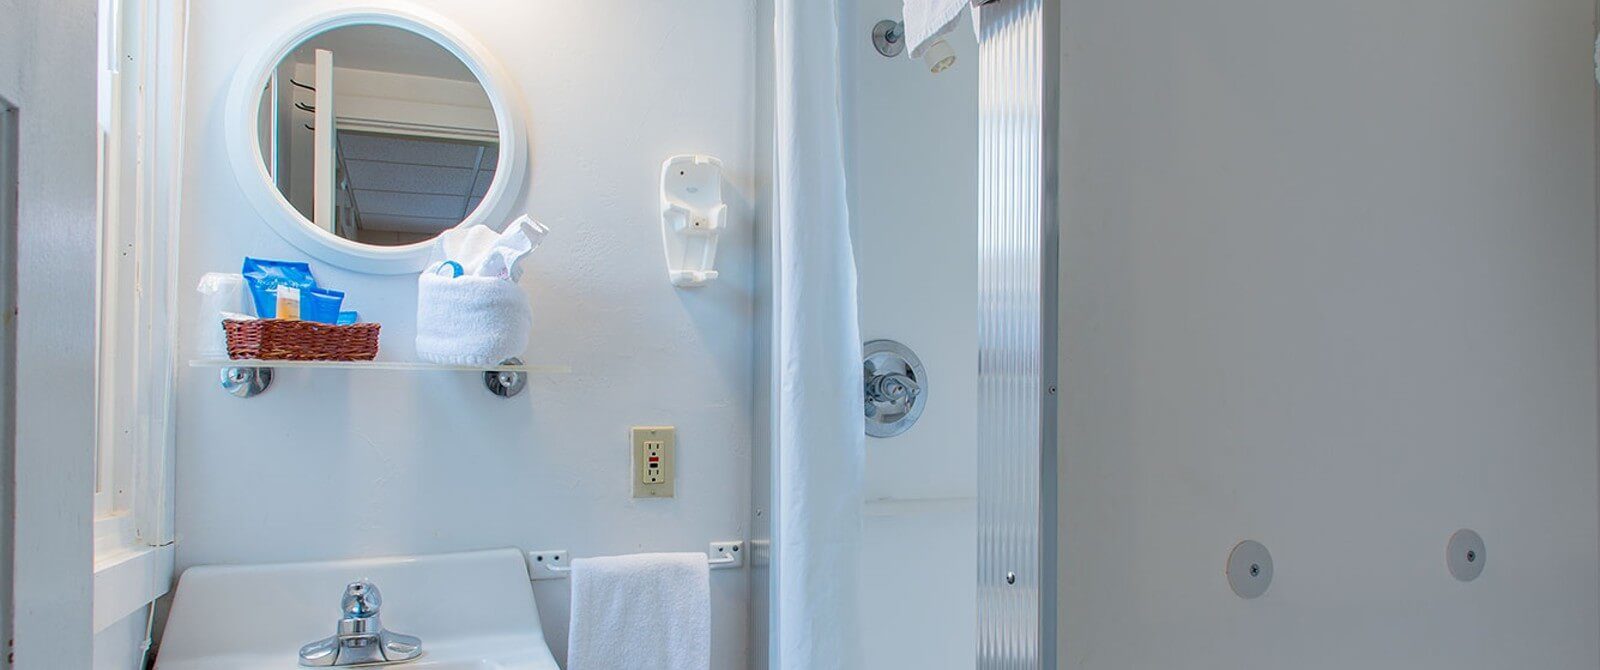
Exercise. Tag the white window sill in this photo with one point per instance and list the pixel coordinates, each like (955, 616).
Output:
(126, 577)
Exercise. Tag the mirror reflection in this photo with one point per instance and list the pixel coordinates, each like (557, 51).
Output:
(377, 134)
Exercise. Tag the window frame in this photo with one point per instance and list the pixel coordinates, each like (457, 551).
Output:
(140, 118)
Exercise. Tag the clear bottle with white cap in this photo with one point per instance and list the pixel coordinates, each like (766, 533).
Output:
(220, 293)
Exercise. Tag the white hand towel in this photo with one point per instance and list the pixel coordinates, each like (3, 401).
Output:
(517, 241)
(483, 252)
(470, 320)
(928, 20)
(640, 612)
(466, 245)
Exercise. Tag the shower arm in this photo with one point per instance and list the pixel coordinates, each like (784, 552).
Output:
(888, 34)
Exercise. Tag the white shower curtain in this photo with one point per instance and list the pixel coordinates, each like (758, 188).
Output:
(821, 431)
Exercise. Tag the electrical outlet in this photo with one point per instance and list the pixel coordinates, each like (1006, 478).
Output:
(654, 461)
(653, 451)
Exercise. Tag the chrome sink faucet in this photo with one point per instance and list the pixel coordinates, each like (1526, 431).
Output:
(361, 638)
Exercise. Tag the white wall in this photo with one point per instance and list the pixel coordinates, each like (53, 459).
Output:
(761, 648)
(117, 647)
(1329, 283)
(12, 46)
(335, 464)
(912, 151)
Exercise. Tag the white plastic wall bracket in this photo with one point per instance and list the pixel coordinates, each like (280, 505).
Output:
(553, 563)
(692, 217)
(548, 564)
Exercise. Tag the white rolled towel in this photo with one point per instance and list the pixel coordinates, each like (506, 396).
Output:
(928, 20)
(469, 320)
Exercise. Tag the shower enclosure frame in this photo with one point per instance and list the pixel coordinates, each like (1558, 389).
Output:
(1018, 276)
(1017, 574)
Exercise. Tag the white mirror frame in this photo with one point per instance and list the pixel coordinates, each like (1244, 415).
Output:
(251, 170)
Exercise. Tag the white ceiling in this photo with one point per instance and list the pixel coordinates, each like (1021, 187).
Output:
(414, 184)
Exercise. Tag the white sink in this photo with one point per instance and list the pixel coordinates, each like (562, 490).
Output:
(473, 611)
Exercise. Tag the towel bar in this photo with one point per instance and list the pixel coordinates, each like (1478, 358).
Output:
(552, 564)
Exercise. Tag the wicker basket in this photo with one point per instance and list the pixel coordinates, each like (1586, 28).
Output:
(278, 340)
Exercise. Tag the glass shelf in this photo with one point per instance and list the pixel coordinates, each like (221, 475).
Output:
(247, 378)
(398, 366)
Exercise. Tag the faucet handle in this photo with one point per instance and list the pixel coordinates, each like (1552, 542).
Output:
(361, 599)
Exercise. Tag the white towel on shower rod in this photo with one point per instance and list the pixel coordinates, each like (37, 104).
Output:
(640, 612)
(928, 20)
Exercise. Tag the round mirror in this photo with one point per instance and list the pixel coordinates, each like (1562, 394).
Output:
(367, 135)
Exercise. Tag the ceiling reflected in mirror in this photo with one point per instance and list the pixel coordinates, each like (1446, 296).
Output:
(377, 135)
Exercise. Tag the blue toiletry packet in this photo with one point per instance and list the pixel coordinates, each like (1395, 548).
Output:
(320, 305)
(265, 276)
(347, 318)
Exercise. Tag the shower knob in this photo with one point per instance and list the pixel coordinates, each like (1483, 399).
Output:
(895, 387)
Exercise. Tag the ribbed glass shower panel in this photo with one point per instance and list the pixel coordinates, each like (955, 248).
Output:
(1016, 336)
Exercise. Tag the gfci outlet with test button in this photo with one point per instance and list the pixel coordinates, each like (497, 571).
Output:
(654, 452)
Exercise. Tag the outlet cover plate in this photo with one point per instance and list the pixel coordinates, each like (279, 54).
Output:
(654, 478)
